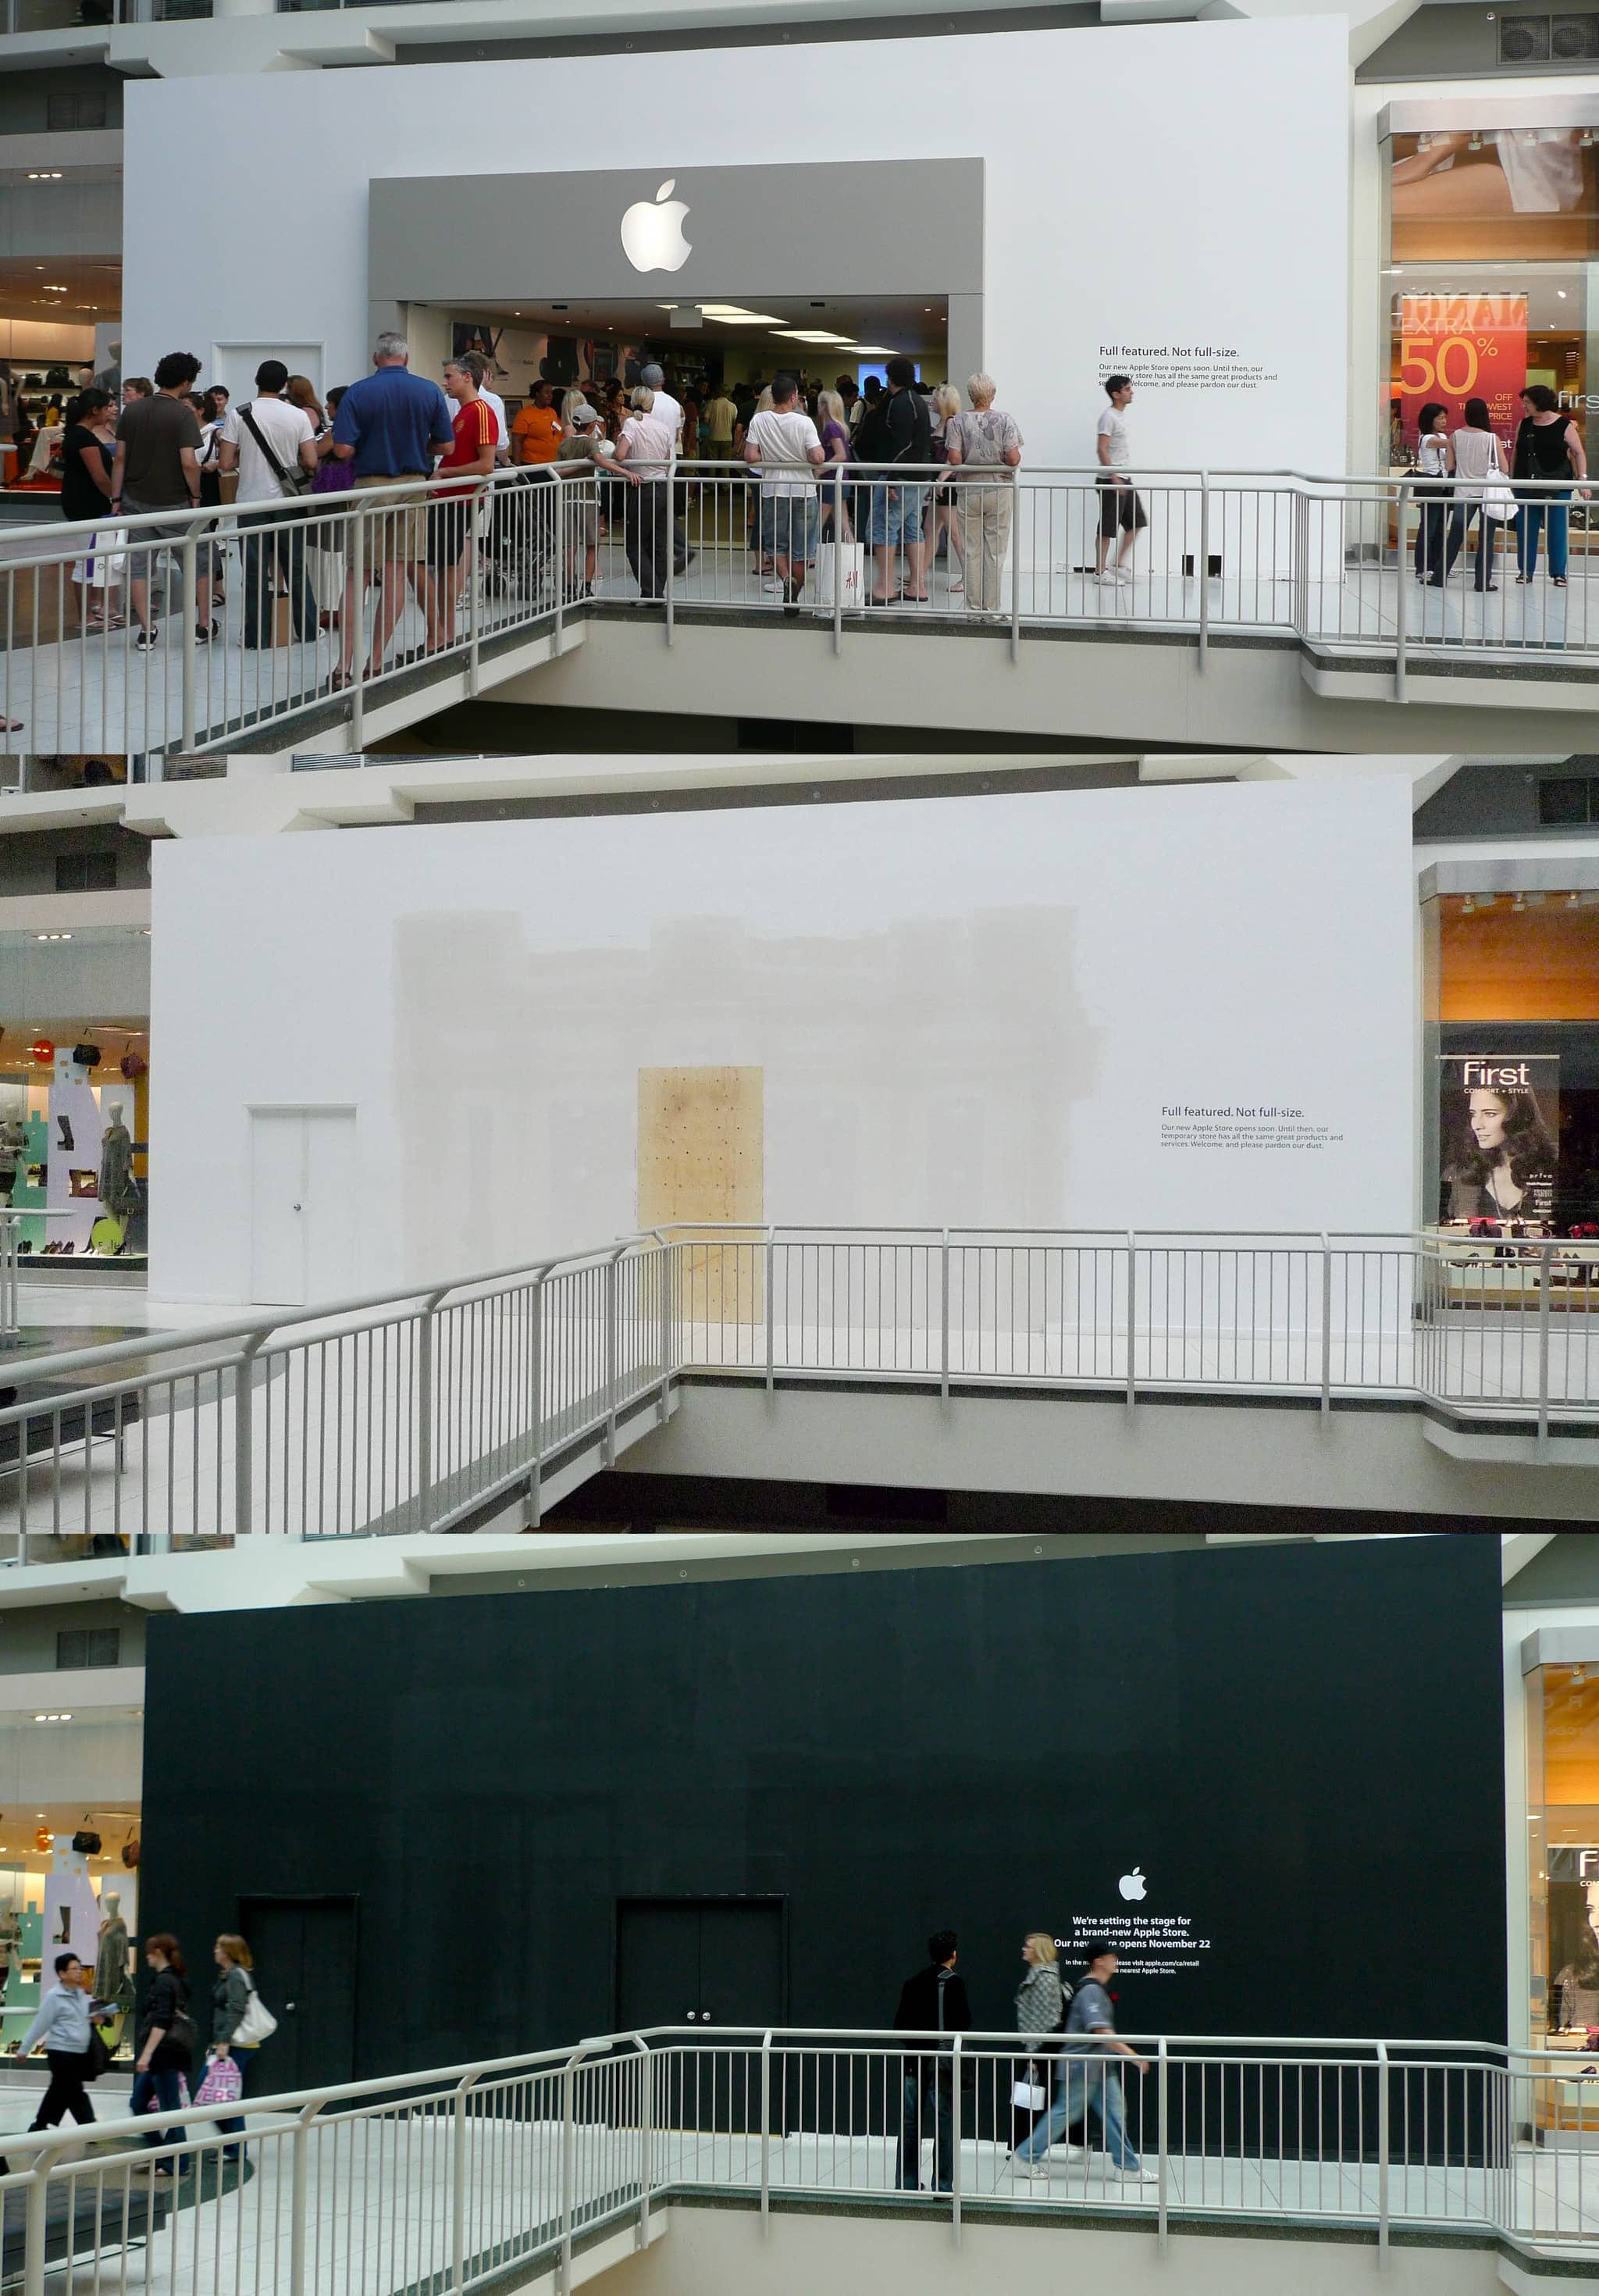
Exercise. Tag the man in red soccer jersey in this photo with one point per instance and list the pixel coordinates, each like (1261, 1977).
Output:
(450, 516)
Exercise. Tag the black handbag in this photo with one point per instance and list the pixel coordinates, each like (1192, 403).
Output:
(97, 2057)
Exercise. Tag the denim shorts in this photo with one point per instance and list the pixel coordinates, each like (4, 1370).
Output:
(788, 525)
(897, 514)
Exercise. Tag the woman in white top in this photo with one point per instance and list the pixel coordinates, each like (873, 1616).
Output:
(1435, 460)
(1480, 487)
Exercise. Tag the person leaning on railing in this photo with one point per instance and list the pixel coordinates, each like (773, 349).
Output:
(984, 447)
(585, 442)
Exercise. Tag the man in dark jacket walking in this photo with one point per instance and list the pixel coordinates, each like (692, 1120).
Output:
(933, 2001)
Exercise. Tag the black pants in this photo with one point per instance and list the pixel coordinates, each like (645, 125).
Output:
(1488, 539)
(65, 2093)
(286, 551)
(649, 535)
(1433, 556)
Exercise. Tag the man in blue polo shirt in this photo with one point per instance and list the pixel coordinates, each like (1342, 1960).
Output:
(390, 424)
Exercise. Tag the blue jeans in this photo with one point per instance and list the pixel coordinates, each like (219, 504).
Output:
(925, 2110)
(897, 514)
(266, 556)
(1528, 526)
(162, 2086)
(787, 528)
(1079, 2082)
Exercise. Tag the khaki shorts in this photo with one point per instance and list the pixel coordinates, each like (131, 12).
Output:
(403, 532)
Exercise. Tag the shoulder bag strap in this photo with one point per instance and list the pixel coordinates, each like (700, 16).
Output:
(278, 472)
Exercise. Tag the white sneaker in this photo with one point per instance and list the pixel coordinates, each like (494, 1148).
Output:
(1109, 579)
(1124, 574)
(1139, 2175)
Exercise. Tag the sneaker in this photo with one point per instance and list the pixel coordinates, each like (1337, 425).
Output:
(1108, 580)
(145, 641)
(1124, 575)
(207, 634)
(1139, 2175)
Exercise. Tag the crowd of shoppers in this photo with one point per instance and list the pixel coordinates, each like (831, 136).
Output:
(1071, 2071)
(1465, 477)
(821, 461)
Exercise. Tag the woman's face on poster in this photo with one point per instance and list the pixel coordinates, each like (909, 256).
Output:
(1487, 1115)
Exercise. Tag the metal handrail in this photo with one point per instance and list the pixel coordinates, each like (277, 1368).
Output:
(1351, 2129)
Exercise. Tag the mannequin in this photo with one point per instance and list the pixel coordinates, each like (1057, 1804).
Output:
(111, 1981)
(11, 1947)
(118, 1190)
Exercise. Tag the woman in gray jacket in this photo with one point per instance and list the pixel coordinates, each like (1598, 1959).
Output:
(230, 1998)
(1040, 2005)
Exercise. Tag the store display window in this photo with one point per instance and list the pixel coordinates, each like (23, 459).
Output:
(74, 1124)
(1513, 1146)
(1562, 1840)
(1492, 276)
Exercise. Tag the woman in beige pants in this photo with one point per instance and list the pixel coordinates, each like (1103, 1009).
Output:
(985, 446)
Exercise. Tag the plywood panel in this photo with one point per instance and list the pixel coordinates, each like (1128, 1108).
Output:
(702, 1159)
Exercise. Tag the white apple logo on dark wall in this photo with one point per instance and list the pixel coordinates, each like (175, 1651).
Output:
(1131, 1885)
(653, 231)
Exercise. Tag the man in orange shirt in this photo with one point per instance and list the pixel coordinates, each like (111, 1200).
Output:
(536, 433)
(449, 519)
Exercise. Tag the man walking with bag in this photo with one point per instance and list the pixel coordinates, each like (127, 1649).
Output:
(933, 2001)
(271, 447)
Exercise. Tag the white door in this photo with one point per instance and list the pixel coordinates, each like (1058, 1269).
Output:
(235, 364)
(302, 1194)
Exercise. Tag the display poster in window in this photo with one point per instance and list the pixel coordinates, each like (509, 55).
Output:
(1475, 194)
(1453, 347)
(1498, 1136)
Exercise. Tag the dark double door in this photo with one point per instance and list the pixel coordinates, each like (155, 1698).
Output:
(304, 1959)
(700, 1961)
(705, 1962)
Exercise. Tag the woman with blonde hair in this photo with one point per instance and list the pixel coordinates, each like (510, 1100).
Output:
(944, 406)
(1040, 2007)
(834, 431)
(985, 446)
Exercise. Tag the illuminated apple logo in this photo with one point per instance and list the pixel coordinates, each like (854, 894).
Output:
(653, 233)
(1131, 1885)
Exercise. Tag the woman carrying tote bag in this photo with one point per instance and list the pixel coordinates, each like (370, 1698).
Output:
(1040, 2005)
(1480, 489)
(239, 2022)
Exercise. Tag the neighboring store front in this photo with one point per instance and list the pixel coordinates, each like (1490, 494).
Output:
(74, 1125)
(1512, 1125)
(1491, 256)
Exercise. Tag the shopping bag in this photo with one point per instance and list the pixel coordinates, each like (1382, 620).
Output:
(224, 2083)
(841, 576)
(1031, 2096)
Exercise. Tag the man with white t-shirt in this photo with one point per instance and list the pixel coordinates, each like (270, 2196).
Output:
(668, 410)
(265, 442)
(782, 440)
(1119, 502)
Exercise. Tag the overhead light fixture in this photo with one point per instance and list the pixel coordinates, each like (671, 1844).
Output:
(1468, 907)
(809, 335)
(1561, 293)
(733, 315)
(873, 351)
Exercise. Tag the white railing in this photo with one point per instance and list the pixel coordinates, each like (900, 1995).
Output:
(327, 606)
(426, 1409)
(450, 2180)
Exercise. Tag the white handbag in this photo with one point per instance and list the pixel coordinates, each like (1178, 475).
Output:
(840, 571)
(1031, 2096)
(258, 2025)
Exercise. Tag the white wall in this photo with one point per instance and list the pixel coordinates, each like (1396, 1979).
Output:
(968, 1011)
(705, 2251)
(1163, 186)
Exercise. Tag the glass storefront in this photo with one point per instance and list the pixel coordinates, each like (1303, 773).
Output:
(1514, 1022)
(1563, 1867)
(88, 1199)
(1491, 279)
